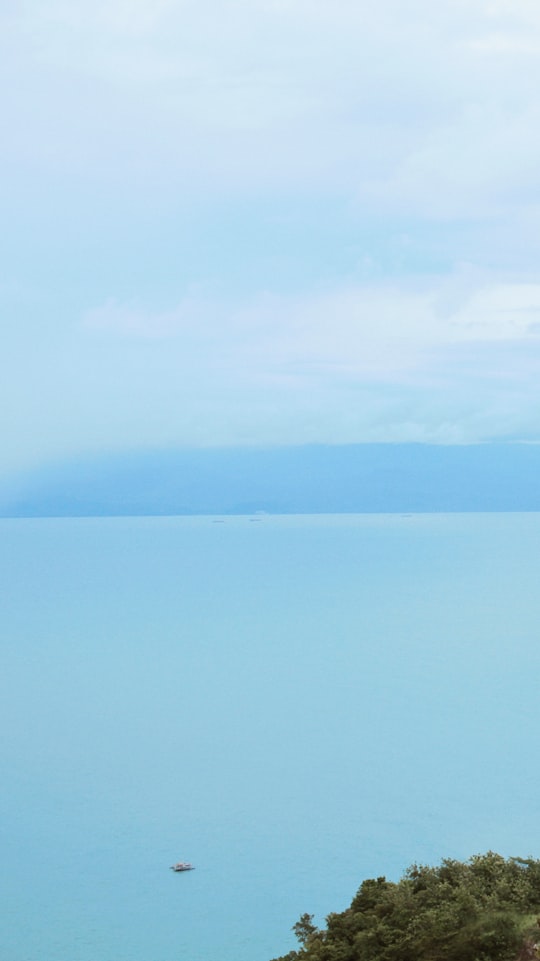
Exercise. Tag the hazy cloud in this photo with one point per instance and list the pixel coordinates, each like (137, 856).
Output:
(279, 221)
(411, 98)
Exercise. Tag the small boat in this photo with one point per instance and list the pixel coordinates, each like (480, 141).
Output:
(182, 866)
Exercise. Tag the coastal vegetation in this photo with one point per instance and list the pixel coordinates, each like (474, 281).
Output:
(483, 909)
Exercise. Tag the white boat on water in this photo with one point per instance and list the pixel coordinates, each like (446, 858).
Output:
(182, 866)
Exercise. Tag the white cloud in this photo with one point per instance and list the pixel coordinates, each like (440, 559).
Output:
(376, 333)
(390, 99)
(451, 360)
(421, 118)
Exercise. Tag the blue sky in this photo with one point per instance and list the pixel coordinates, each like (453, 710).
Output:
(268, 222)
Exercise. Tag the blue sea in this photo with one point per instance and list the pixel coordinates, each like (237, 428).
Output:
(291, 703)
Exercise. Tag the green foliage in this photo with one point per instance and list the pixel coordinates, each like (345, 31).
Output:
(304, 929)
(484, 909)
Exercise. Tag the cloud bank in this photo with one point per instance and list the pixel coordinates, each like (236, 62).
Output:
(268, 222)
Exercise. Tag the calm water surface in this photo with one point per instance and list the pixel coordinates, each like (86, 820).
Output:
(294, 704)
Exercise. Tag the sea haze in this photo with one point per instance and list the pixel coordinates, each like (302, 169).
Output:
(292, 703)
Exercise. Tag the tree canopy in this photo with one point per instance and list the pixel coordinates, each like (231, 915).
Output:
(483, 909)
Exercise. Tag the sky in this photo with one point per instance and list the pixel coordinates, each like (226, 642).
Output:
(267, 222)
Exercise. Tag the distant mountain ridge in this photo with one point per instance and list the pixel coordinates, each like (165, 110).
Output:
(355, 478)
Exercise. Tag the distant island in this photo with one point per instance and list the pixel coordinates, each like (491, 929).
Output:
(483, 909)
(307, 479)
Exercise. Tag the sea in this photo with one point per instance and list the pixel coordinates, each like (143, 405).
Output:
(291, 703)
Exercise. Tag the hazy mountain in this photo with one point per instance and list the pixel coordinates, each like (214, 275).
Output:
(308, 479)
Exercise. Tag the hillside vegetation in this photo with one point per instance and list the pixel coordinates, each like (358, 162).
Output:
(484, 909)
